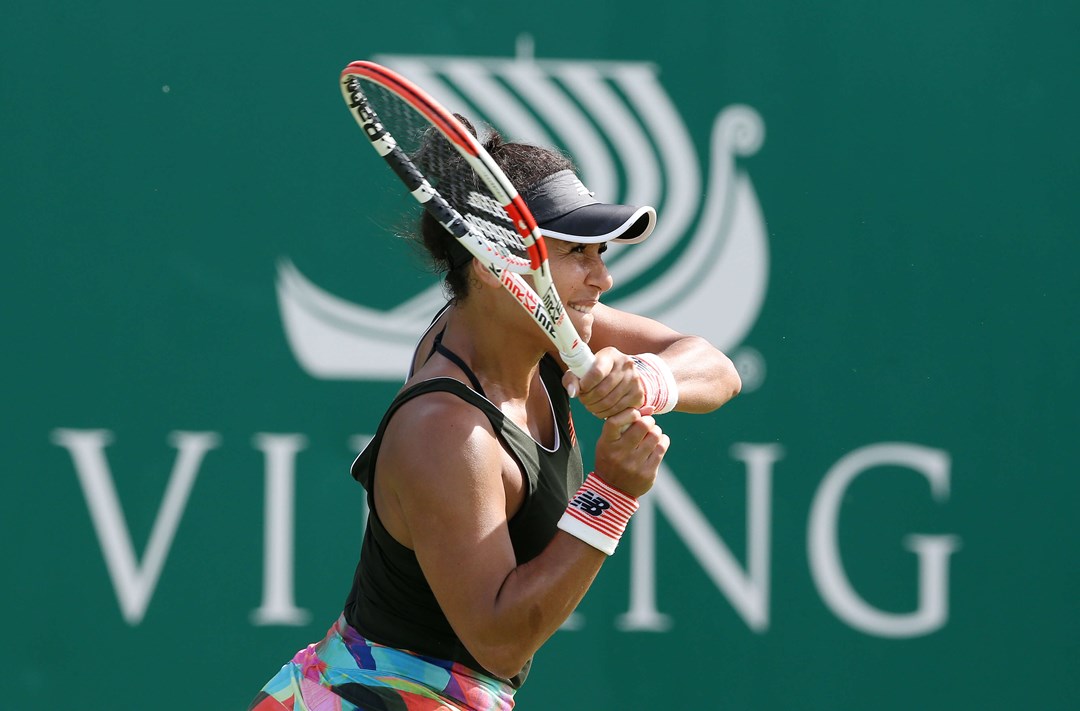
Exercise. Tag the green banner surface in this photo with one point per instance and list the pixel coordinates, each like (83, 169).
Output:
(873, 209)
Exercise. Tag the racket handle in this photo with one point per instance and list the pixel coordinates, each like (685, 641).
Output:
(580, 360)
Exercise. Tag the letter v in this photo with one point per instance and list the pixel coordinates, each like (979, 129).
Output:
(134, 582)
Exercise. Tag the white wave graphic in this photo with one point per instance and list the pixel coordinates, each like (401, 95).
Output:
(604, 114)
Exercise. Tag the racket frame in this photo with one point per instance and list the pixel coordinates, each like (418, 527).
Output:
(542, 303)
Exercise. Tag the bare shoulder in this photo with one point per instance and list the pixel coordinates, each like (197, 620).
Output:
(436, 427)
(440, 468)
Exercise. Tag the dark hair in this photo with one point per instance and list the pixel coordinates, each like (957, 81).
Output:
(525, 165)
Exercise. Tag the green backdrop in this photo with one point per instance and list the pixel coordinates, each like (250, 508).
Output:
(883, 520)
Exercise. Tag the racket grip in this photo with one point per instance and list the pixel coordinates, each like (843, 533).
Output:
(579, 360)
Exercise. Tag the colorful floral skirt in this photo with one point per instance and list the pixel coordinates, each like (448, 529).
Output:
(346, 672)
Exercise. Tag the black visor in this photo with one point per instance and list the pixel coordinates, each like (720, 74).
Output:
(565, 209)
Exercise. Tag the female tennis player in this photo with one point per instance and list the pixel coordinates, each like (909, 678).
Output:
(484, 533)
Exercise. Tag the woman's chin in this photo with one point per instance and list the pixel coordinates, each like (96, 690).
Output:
(583, 324)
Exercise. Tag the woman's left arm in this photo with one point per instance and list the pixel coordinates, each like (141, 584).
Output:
(701, 376)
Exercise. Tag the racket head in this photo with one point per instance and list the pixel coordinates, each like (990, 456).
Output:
(444, 167)
(461, 186)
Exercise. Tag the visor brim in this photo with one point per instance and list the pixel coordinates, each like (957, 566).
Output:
(602, 222)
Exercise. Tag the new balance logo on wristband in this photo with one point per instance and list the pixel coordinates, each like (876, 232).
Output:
(590, 503)
(598, 514)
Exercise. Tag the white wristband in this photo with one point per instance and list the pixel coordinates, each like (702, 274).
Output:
(661, 391)
(598, 514)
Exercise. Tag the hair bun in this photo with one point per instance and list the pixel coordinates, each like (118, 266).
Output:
(494, 141)
(466, 123)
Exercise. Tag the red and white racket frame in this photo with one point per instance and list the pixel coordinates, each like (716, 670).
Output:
(546, 310)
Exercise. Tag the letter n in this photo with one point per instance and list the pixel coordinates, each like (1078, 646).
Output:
(748, 591)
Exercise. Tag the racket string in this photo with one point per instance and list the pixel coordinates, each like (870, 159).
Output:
(450, 174)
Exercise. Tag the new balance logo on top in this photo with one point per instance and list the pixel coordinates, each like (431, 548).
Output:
(591, 503)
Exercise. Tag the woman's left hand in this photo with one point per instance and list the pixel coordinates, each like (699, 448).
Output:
(611, 386)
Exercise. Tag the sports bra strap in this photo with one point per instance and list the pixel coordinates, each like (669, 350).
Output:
(454, 358)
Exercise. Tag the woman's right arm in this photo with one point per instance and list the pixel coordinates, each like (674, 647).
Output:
(442, 491)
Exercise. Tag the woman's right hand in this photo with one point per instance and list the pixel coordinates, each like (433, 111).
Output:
(629, 451)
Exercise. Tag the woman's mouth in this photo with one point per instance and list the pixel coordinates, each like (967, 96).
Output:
(582, 308)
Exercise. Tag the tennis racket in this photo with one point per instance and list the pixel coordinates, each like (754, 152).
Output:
(448, 171)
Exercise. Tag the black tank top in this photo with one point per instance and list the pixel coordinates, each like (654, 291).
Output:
(391, 602)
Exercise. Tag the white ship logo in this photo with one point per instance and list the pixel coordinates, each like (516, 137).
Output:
(632, 146)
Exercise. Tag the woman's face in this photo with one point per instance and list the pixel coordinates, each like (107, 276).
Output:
(580, 276)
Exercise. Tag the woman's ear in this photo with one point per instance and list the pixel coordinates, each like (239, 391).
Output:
(481, 275)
